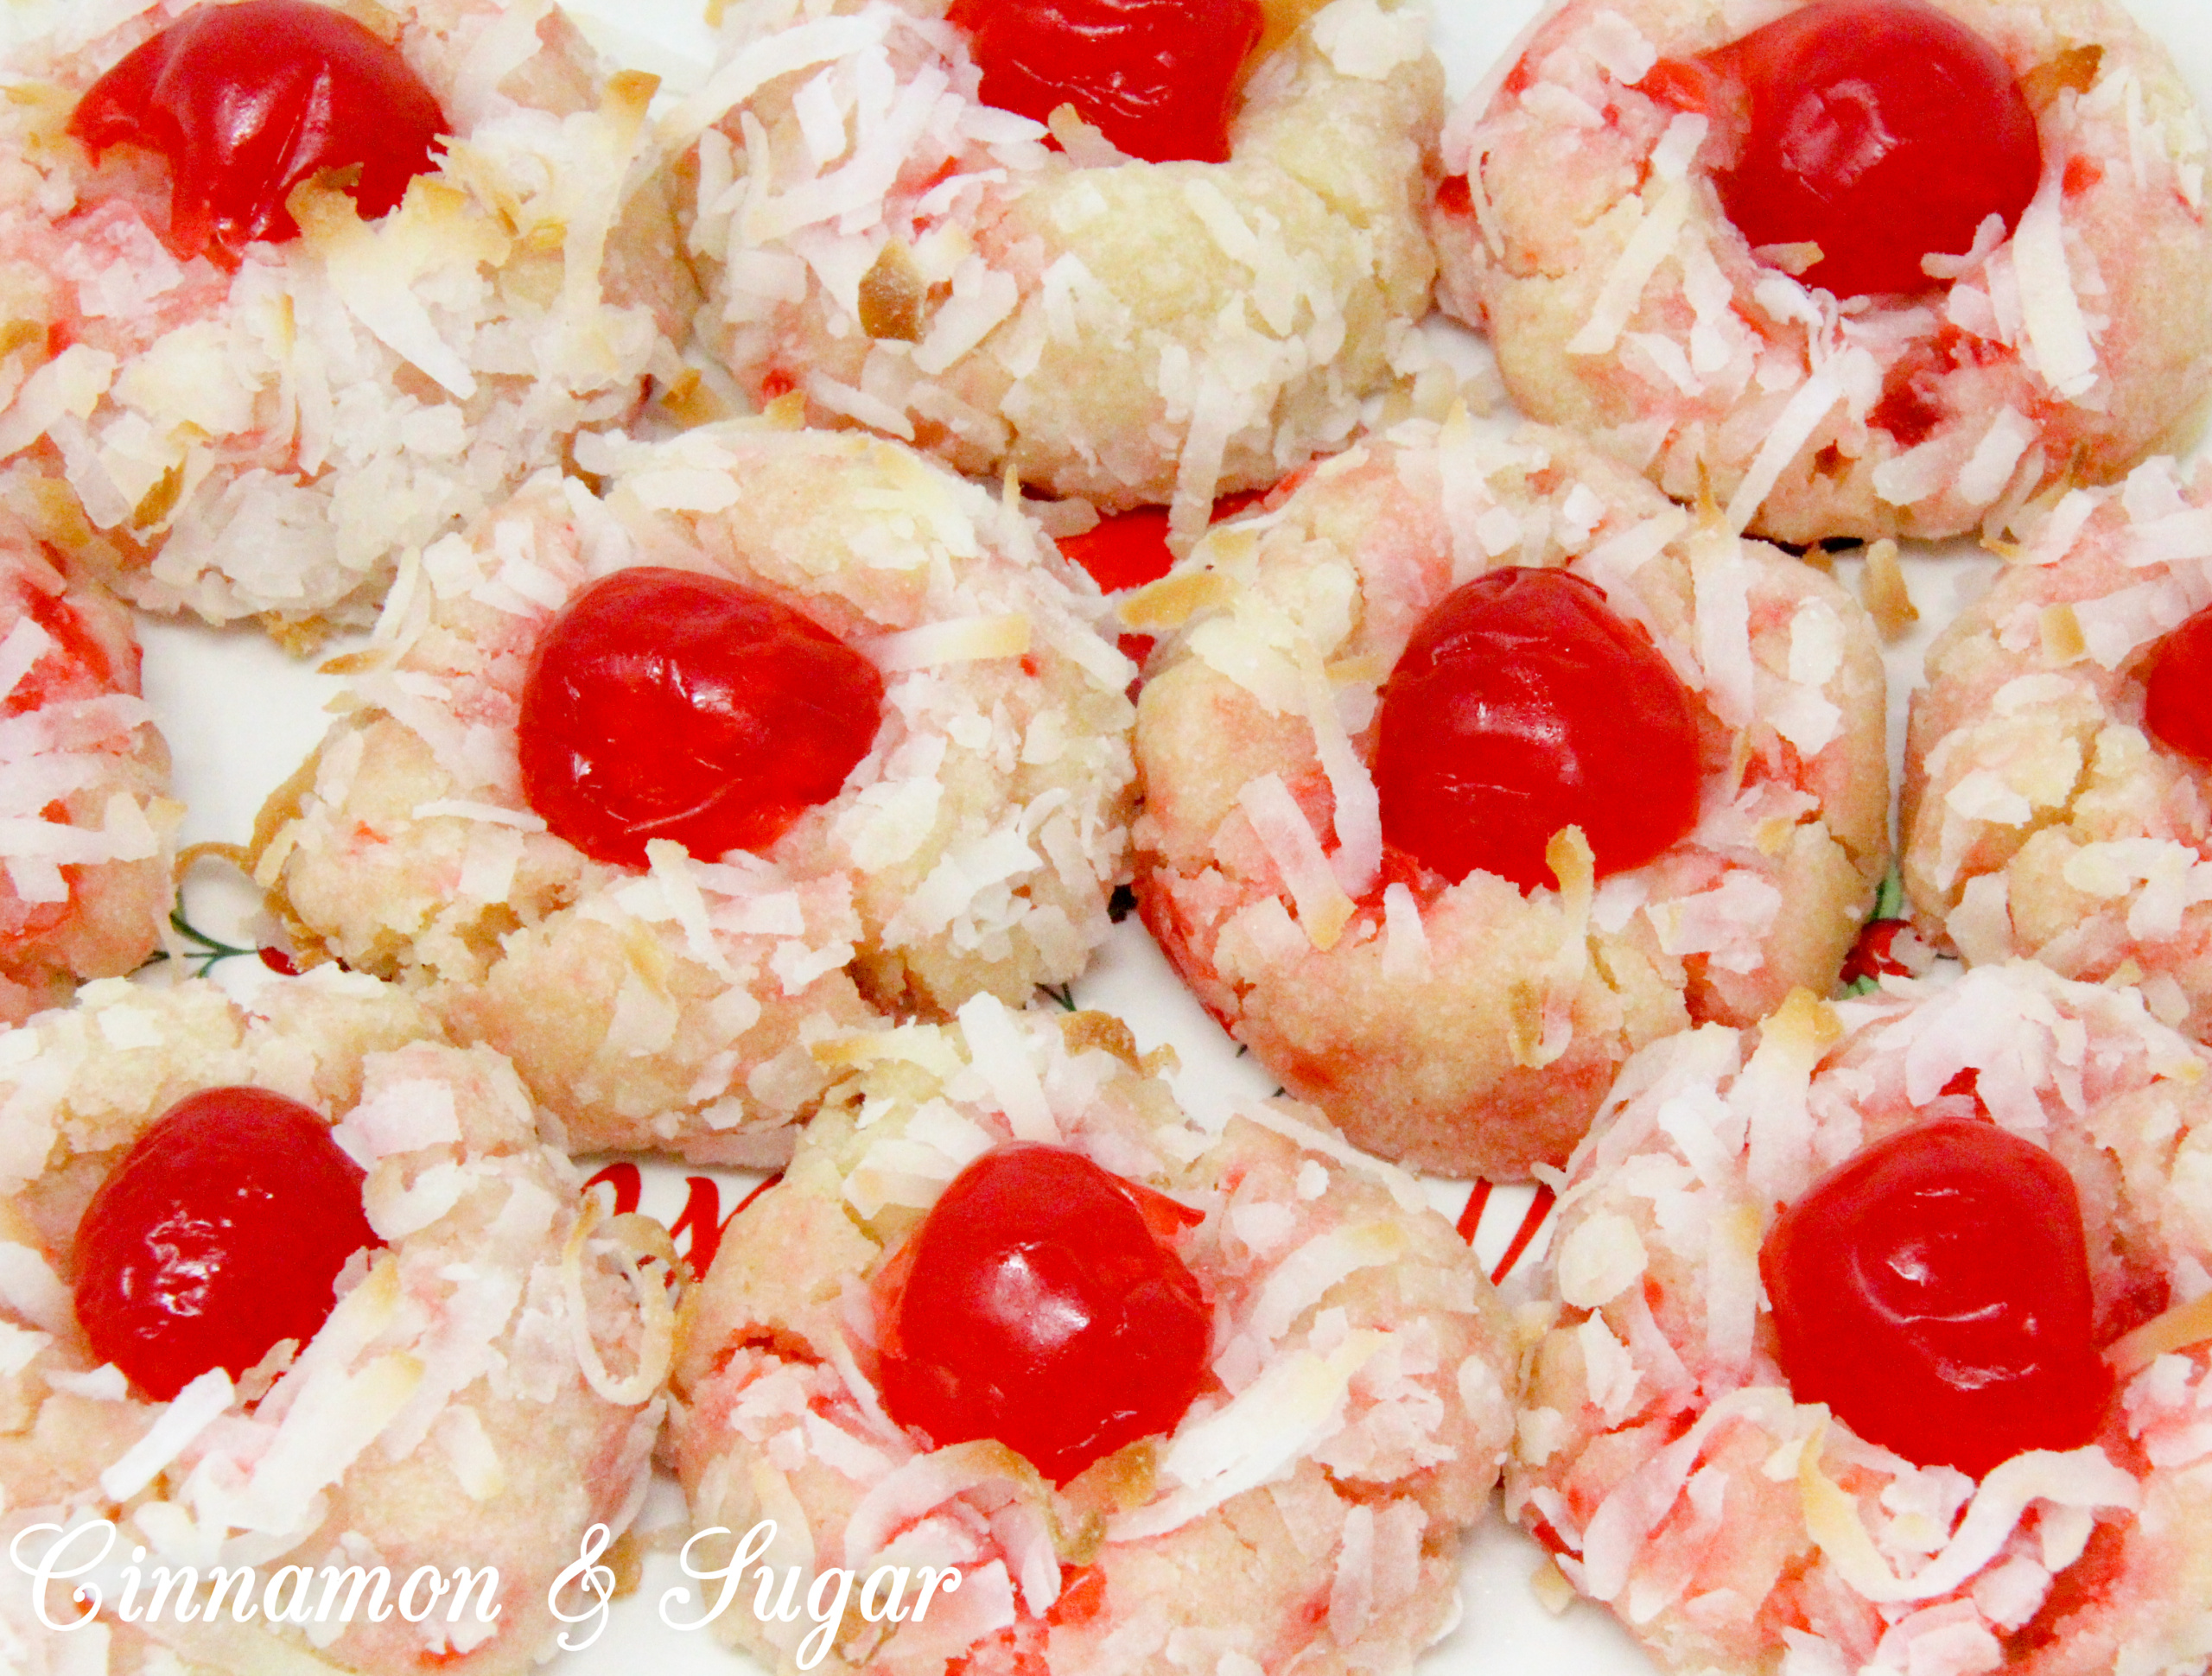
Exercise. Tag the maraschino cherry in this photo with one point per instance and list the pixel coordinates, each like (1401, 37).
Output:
(1157, 77)
(1881, 131)
(1125, 550)
(665, 704)
(248, 101)
(1041, 1302)
(1523, 704)
(1934, 1291)
(2178, 690)
(221, 1232)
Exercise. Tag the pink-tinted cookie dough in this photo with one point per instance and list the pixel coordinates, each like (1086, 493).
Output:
(1579, 226)
(1305, 1513)
(1466, 1026)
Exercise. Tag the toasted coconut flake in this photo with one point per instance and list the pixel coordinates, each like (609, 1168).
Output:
(1086, 146)
(1601, 1257)
(1882, 587)
(1358, 816)
(1552, 1589)
(1283, 831)
(1301, 1280)
(1911, 477)
(1164, 606)
(180, 1421)
(913, 1487)
(322, 1433)
(2049, 307)
(1569, 854)
(2071, 69)
(648, 1281)
(1772, 1091)
(1990, 466)
(956, 640)
(1618, 1526)
(2178, 1328)
(1367, 43)
(1258, 1436)
(892, 293)
(2080, 1478)
(1651, 243)
(1795, 259)
(818, 41)
(374, 276)
(1801, 416)
(1403, 1187)
(1405, 941)
(32, 1289)
(1001, 1056)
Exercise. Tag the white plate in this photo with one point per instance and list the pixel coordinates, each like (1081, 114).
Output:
(240, 716)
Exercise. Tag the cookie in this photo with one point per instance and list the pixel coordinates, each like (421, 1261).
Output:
(672, 1005)
(1353, 1380)
(1463, 1020)
(2043, 815)
(1666, 1453)
(231, 413)
(874, 237)
(1584, 226)
(485, 1387)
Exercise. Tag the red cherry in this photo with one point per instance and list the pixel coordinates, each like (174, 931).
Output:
(1126, 551)
(1934, 1290)
(663, 704)
(1156, 77)
(1521, 705)
(247, 101)
(221, 1232)
(1040, 1302)
(1882, 131)
(2178, 690)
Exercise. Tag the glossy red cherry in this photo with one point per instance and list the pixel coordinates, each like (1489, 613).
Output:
(2178, 690)
(1040, 1302)
(1126, 551)
(247, 101)
(220, 1232)
(1881, 131)
(665, 704)
(1524, 704)
(1934, 1290)
(1157, 77)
